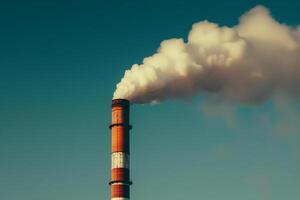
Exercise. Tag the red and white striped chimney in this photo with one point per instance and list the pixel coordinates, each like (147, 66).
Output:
(120, 127)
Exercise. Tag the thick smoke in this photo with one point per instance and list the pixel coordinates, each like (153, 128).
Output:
(247, 63)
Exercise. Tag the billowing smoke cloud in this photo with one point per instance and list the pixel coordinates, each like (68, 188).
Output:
(248, 63)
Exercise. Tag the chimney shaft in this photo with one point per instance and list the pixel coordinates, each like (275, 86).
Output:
(120, 179)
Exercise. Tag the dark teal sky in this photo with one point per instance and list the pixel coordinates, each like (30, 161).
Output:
(59, 63)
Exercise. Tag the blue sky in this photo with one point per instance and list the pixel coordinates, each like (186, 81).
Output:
(59, 64)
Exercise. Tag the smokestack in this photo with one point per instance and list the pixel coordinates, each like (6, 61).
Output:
(120, 179)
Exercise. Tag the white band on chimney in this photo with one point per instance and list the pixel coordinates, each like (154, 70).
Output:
(119, 198)
(119, 160)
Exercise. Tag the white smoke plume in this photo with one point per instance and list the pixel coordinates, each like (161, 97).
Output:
(248, 63)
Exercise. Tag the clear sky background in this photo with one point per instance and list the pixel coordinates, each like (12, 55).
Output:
(59, 63)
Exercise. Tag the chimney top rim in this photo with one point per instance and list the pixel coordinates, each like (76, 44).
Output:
(120, 102)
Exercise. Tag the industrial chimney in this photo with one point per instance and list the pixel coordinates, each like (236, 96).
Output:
(120, 179)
